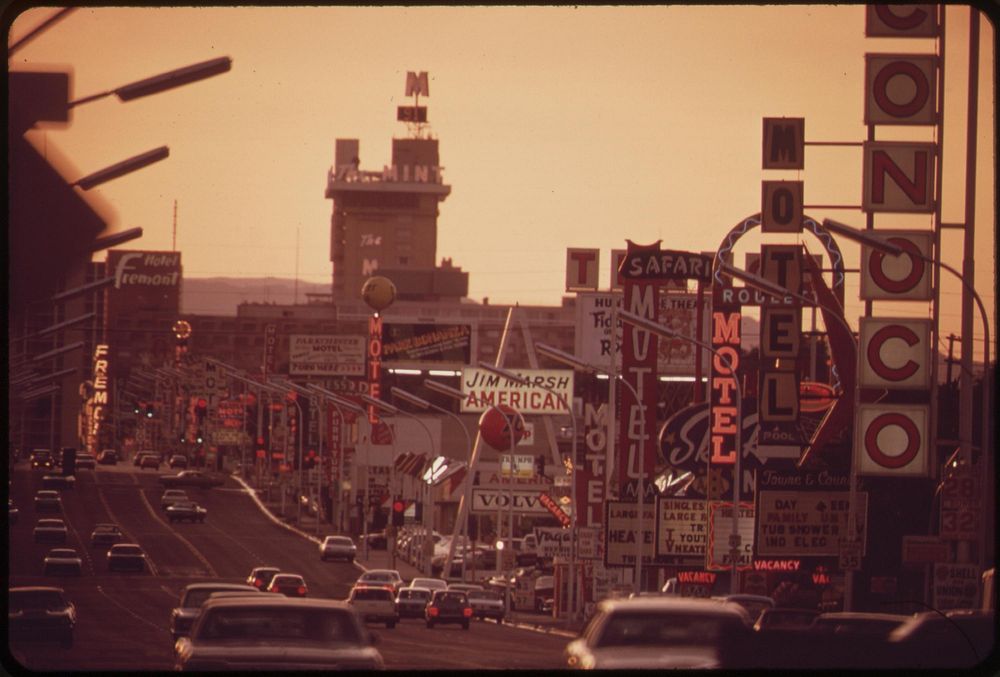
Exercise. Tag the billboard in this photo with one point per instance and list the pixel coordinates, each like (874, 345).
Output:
(406, 342)
(326, 355)
(144, 281)
(482, 390)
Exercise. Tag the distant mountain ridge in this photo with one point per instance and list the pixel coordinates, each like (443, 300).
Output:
(221, 295)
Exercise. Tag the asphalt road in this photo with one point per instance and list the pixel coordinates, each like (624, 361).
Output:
(123, 617)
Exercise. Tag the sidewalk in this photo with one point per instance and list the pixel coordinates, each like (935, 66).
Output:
(380, 559)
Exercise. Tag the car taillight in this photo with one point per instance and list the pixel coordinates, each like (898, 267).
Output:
(433, 611)
(467, 611)
(277, 590)
(302, 590)
(258, 582)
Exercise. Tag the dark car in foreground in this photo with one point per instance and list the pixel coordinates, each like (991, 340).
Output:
(274, 633)
(953, 640)
(194, 595)
(662, 633)
(448, 606)
(186, 511)
(40, 613)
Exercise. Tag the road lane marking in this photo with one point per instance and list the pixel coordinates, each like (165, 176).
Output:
(186, 542)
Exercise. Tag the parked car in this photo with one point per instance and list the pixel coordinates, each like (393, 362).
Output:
(857, 623)
(150, 461)
(171, 496)
(785, 618)
(431, 584)
(40, 613)
(663, 632)
(448, 606)
(178, 461)
(186, 510)
(388, 577)
(50, 531)
(106, 534)
(260, 577)
(337, 547)
(126, 556)
(57, 482)
(62, 561)
(188, 607)
(42, 459)
(957, 639)
(486, 604)
(274, 633)
(375, 603)
(291, 585)
(137, 459)
(47, 500)
(192, 478)
(86, 461)
(410, 602)
(108, 457)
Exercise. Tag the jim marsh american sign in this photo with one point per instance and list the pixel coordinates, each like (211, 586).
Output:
(548, 390)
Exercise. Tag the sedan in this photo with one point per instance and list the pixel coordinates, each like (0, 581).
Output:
(42, 459)
(108, 457)
(192, 478)
(337, 547)
(62, 561)
(50, 531)
(183, 616)
(40, 613)
(273, 633)
(412, 602)
(171, 496)
(186, 510)
(662, 633)
(106, 534)
(127, 556)
(178, 461)
(376, 577)
(260, 577)
(448, 606)
(86, 461)
(150, 461)
(487, 604)
(47, 500)
(956, 639)
(290, 585)
(58, 481)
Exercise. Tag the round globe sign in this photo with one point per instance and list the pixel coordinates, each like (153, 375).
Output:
(378, 292)
(495, 429)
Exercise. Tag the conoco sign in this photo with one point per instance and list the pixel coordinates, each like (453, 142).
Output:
(892, 440)
(894, 353)
(897, 278)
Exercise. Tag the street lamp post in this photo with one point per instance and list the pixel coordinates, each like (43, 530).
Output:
(457, 531)
(338, 406)
(734, 536)
(514, 378)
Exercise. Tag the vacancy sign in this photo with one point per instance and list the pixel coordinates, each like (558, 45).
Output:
(906, 277)
(894, 353)
(892, 440)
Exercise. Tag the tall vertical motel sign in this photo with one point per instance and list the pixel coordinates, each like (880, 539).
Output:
(643, 269)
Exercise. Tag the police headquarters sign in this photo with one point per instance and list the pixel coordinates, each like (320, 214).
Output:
(481, 390)
(326, 355)
(145, 280)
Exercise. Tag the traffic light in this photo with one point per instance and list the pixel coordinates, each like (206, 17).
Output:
(201, 409)
(540, 466)
(309, 461)
(398, 508)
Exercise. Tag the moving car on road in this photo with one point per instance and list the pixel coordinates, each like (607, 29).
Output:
(375, 604)
(662, 633)
(291, 585)
(86, 461)
(178, 461)
(171, 496)
(192, 478)
(273, 633)
(260, 577)
(337, 547)
(50, 531)
(108, 457)
(41, 459)
(486, 604)
(106, 534)
(449, 606)
(58, 481)
(62, 561)
(431, 584)
(186, 510)
(183, 616)
(126, 556)
(149, 461)
(40, 613)
(411, 602)
(47, 500)
(375, 577)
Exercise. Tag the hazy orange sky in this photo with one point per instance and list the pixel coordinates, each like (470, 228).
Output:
(558, 126)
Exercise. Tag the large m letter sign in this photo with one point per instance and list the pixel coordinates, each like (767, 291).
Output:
(898, 177)
(892, 439)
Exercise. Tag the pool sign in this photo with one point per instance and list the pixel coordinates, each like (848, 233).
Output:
(892, 440)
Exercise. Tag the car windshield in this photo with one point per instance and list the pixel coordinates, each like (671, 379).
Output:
(36, 599)
(127, 550)
(339, 540)
(294, 625)
(663, 630)
(287, 580)
(51, 523)
(62, 552)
